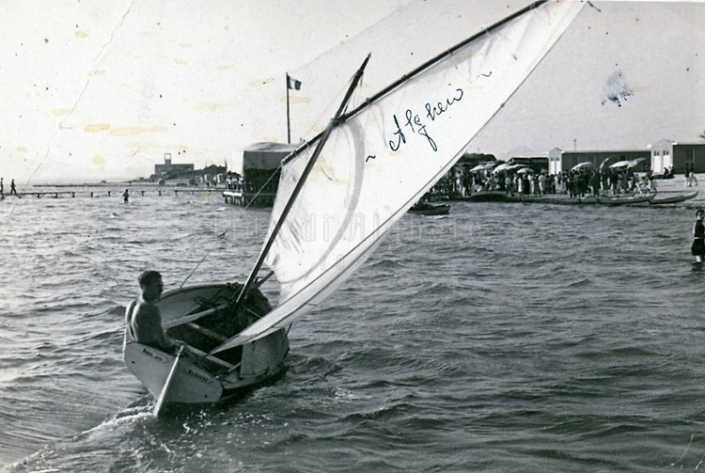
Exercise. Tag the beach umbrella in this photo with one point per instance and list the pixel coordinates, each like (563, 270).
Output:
(635, 162)
(503, 167)
(606, 161)
(525, 171)
(584, 165)
(620, 164)
(483, 166)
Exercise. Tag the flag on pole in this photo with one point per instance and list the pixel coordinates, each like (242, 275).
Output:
(292, 83)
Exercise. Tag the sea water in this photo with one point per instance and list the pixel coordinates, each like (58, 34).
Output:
(499, 338)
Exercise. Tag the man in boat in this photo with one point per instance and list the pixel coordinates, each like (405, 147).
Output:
(143, 321)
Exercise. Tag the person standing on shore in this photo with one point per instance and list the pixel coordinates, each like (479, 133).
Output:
(596, 183)
(2, 190)
(687, 174)
(698, 246)
(651, 181)
(13, 190)
(126, 196)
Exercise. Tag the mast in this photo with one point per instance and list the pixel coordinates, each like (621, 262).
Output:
(288, 126)
(299, 185)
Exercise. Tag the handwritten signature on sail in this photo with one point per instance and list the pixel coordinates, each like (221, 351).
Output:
(416, 124)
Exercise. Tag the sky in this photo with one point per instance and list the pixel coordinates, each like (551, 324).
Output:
(102, 90)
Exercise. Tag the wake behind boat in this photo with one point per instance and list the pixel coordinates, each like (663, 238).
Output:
(371, 164)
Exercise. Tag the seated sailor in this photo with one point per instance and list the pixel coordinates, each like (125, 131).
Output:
(143, 321)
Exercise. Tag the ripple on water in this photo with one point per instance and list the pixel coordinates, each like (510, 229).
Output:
(502, 338)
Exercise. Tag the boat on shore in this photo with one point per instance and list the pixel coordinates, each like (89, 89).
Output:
(625, 199)
(426, 208)
(487, 196)
(587, 200)
(673, 199)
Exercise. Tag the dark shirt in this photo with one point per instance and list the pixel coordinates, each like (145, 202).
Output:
(699, 229)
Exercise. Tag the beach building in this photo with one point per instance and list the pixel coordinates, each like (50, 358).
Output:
(212, 174)
(470, 160)
(168, 168)
(538, 164)
(261, 165)
(674, 156)
(560, 160)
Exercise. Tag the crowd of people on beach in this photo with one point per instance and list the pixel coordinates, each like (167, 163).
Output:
(524, 181)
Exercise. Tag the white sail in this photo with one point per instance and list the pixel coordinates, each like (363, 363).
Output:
(388, 153)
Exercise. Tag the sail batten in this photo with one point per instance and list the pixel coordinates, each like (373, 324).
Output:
(388, 153)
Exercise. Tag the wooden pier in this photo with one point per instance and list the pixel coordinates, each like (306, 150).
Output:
(249, 199)
(233, 197)
(110, 192)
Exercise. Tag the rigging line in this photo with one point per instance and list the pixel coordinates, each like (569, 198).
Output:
(220, 238)
(261, 188)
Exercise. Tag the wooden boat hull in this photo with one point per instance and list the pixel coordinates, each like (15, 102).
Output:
(200, 379)
(588, 200)
(612, 201)
(190, 384)
(431, 209)
(674, 199)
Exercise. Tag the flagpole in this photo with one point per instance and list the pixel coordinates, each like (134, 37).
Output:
(288, 127)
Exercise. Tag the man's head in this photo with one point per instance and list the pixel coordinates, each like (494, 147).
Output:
(151, 285)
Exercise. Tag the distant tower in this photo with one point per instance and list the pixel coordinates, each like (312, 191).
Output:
(167, 159)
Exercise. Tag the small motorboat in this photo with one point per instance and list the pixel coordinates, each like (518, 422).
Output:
(425, 208)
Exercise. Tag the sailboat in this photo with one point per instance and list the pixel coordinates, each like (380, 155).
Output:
(372, 164)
